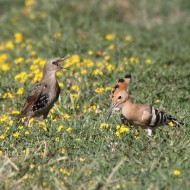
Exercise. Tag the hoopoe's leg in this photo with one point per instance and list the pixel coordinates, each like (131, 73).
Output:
(124, 120)
(26, 122)
(45, 115)
(150, 131)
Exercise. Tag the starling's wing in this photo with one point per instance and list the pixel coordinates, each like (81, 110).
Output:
(32, 97)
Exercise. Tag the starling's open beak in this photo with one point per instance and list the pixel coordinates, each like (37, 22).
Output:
(110, 111)
(63, 59)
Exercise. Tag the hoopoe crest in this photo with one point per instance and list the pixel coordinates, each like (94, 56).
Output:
(137, 114)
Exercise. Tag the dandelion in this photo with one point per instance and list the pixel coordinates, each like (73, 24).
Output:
(171, 124)
(104, 126)
(69, 130)
(99, 90)
(66, 116)
(3, 57)
(57, 35)
(20, 91)
(52, 169)
(64, 171)
(128, 38)
(16, 134)
(8, 95)
(45, 129)
(3, 118)
(82, 159)
(61, 85)
(2, 136)
(75, 88)
(176, 172)
(19, 60)
(157, 101)
(5, 66)
(1, 152)
(57, 139)
(60, 128)
(18, 37)
(90, 52)
(110, 37)
(22, 77)
(9, 45)
(27, 133)
(148, 61)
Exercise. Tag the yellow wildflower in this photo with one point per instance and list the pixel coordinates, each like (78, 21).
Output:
(97, 72)
(61, 84)
(8, 95)
(3, 57)
(3, 118)
(104, 125)
(171, 124)
(111, 47)
(1, 152)
(28, 3)
(157, 101)
(22, 77)
(20, 127)
(19, 60)
(16, 134)
(2, 136)
(9, 45)
(62, 151)
(109, 37)
(82, 159)
(64, 171)
(148, 61)
(66, 116)
(20, 91)
(5, 66)
(75, 88)
(57, 35)
(59, 128)
(176, 172)
(33, 53)
(52, 169)
(45, 129)
(90, 52)
(99, 90)
(18, 37)
(57, 139)
(27, 133)
(69, 129)
(128, 38)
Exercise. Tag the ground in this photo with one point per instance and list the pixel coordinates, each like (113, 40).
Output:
(75, 148)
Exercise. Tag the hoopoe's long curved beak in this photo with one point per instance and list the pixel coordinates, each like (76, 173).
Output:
(110, 111)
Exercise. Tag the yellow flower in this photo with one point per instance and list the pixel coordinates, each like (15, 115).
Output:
(97, 72)
(75, 88)
(128, 38)
(110, 67)
(9, 45)
(61, 84)
(3, 57)
(111, 47)
(117, 133)
(104, 125)
(157, 101)
(27, 133)
(66, 116)
(69, 129)
(28, 3)
(64, 171)
(82, 159)
(59, 128)
(109, 37)
(33, 53)
(134, 60)
(5, 66)
(2, 137)
(57, 139)
(176, 172)
(19, 60)
(57, 35)
(148, 61)
(18, 37)
(52, 169)
(90, 52)
(22, 77)
(171, 124)
(16, 134)
(1, 152)
(3, 118)
(99, 90)
(20, 91)
(21, 127)
(74, 96)
(62, 151)
(45, 129)
(8, 95)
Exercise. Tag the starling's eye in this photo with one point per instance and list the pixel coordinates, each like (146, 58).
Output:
(119, 97)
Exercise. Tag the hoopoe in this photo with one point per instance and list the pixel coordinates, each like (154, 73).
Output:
(137, 114)
(44, 94)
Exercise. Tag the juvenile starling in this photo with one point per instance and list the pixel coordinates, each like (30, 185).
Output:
(137, 114)
(44, 94)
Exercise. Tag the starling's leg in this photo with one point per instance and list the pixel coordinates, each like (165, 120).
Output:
(45, 115)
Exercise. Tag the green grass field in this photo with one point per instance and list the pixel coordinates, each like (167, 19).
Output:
(105, 40)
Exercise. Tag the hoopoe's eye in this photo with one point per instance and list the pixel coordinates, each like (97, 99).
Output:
(119, 97)
(54, 63)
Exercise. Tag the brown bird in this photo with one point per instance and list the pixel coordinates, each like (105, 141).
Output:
(137, 114)
(44, 94)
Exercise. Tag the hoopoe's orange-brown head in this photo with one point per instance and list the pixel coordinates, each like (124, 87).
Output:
(52, 66)
(119, 94)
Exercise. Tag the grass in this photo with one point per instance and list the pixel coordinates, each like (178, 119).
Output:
(106, 40)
